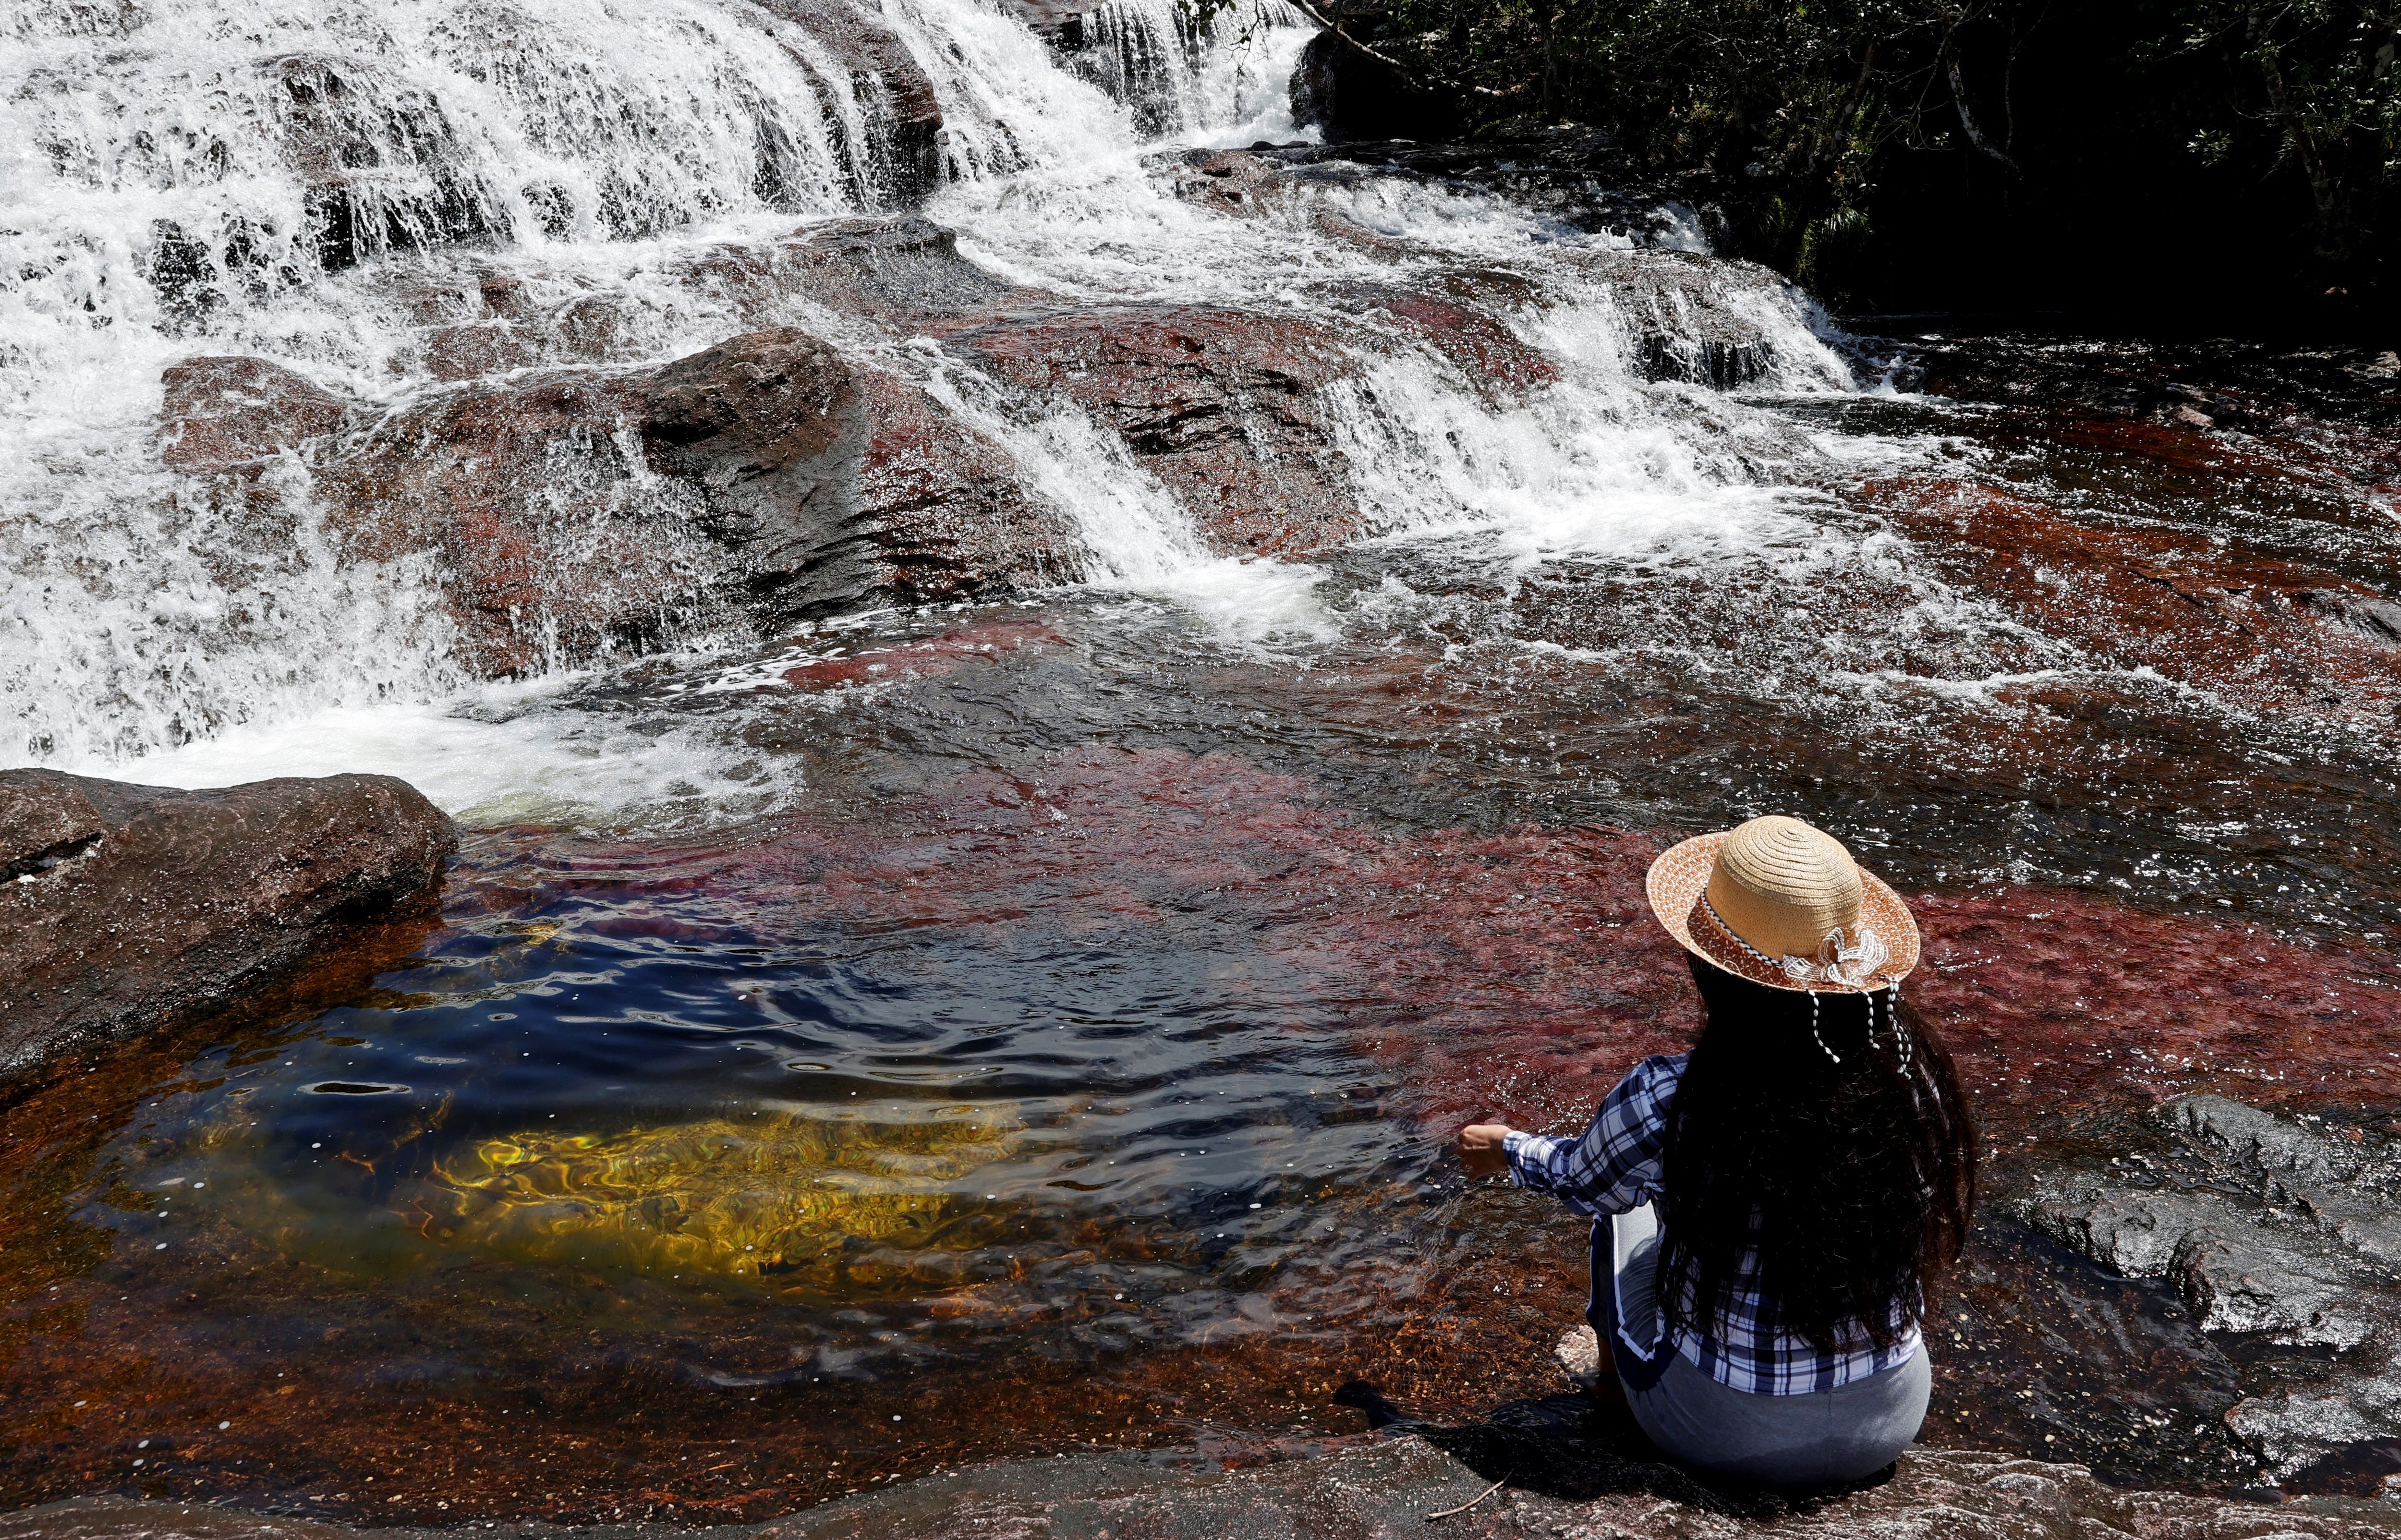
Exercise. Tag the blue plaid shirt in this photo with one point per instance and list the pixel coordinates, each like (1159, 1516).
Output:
(1614, 1167)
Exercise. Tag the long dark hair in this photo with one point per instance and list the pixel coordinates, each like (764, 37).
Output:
(1854, 1180)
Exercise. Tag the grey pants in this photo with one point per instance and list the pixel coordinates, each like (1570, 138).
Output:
(1839, 1435)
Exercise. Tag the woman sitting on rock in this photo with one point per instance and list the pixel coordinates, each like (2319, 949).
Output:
(1776, 1206)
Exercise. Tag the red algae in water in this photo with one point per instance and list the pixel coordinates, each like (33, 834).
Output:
(1515, 973)
(918, 660)
(2256, 631)
(1512, 972)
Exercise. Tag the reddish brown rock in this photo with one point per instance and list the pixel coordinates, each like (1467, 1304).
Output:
(839, 482)
(125, 908)
(579, 511)
(552, 541)
(1487, 351)
(902, 270)
(1221, 406)
(2258, 633)
(902, 110)
(916, 660)
(472, 348)
(222, 412)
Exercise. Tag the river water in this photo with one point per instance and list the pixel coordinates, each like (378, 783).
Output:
(904, 1038)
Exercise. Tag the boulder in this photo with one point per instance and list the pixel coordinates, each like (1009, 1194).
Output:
(839, 484)
(2136, 1233)
(2244, 1280)
(2270, 1229)
(125, 908)
(1688, 315)
(2257, 1143)
(548, 533)
(576, 512)
(1222, 405)
(220, 413)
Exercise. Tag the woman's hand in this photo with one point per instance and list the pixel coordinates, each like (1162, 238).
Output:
(1479, 1148)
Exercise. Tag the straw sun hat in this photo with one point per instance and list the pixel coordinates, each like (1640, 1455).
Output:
(1781, 903)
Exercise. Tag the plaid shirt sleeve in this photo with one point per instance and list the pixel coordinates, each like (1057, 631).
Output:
(1614, 1167)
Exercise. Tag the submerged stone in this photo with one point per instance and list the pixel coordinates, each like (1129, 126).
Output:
(739, 1198)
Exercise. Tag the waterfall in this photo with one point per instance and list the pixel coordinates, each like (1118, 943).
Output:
(403, 206)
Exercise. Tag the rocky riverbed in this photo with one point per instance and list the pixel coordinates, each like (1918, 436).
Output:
(1039, 680)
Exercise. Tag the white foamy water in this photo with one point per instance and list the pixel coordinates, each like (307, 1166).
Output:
(318, 183)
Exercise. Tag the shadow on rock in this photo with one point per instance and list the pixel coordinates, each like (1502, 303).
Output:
(1570, 1448)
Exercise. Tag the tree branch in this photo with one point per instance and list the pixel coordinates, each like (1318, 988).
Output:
(1309, 9)
(1967, 118)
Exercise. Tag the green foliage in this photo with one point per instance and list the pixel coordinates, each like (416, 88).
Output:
(2328, 102)
(1806, 107)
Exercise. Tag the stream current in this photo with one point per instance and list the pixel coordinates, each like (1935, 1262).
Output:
(911, 1037)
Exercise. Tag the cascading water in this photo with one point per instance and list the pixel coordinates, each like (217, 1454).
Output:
(331, 189)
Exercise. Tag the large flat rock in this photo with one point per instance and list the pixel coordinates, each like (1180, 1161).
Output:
(1405, 1486)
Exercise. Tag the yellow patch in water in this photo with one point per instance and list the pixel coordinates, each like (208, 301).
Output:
(749, 1199)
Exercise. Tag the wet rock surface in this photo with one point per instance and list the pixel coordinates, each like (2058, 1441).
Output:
(904, 270)
(2269, 1228)
(125, 908)
(343, 120)
(1480, 347)
(223, 412)
(2310, 430)
(1222, 405)
(2233, 386)
(574, 513)
(551, 539)
(1536, 1469)
(837, 482)
(1688, 316)
(2276, 634)
(903, 113)
(1576, 176)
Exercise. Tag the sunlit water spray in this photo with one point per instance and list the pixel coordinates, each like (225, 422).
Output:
(297, 192)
